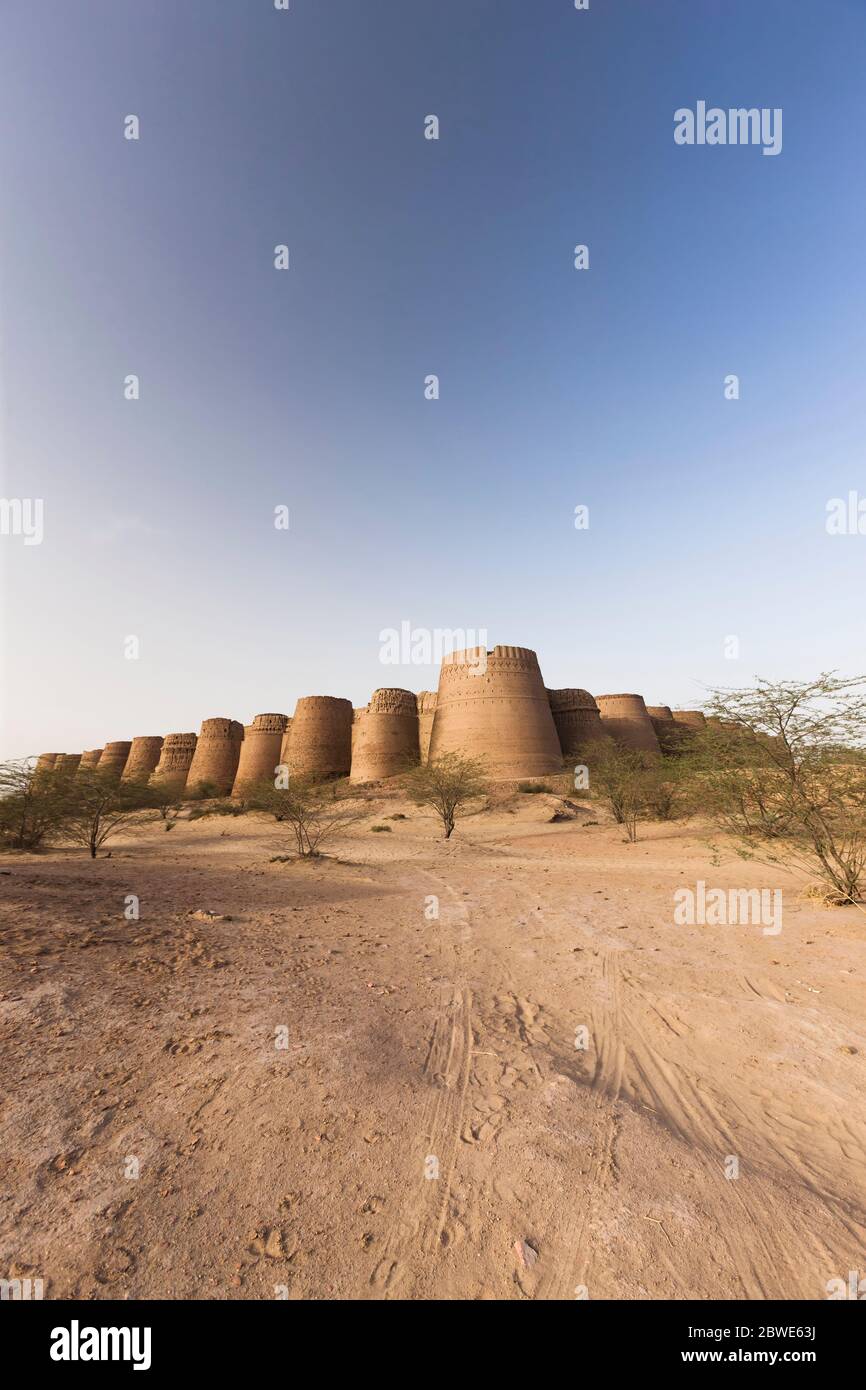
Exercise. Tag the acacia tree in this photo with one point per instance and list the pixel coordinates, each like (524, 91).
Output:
(32, 804)
(783, 766)
(313, 810)
(97, 806)
(447, 784)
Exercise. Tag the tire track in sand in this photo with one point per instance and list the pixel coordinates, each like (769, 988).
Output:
(447, 1070)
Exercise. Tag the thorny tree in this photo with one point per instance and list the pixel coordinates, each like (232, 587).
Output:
(784, 763)
(447, 784)
(314, 810)
(97, 805)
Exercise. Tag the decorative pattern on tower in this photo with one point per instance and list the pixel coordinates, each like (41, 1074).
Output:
(174, 761)
(493, 705)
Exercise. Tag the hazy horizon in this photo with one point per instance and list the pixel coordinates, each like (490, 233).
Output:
(305, 388)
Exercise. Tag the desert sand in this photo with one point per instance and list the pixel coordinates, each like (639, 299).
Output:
(298, 1170)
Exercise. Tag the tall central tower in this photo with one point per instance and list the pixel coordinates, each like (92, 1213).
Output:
(493, 705)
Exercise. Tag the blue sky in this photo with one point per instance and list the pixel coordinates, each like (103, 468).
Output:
(306, 388)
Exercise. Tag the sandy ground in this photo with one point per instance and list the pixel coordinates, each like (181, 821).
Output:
(284, 1076)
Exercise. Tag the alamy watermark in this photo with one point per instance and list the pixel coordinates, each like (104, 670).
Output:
(736, 126)
(425, 646)
(21, 1290)
(846, 516)
(22, 516)
(731, 907)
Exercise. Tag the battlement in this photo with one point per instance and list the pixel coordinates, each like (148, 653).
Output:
(572, 698)
(392, 701)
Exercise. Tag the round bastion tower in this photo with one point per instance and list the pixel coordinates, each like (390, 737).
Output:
(577, 719)
(260, 752)
(215, 760)
(143, 757)
(385, 736)
(174, 762)
(320, 743)
(493, 705)
(625, 718)
(113, 759)
(67, 762)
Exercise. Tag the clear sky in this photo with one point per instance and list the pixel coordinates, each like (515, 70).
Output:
(408, 256)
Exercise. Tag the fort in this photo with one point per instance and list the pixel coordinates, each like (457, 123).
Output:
(491, 705)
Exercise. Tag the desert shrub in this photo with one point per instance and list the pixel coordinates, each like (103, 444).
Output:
(447, 784)
(202, 791)
(166, 799)
(381, 829)
(533, 788)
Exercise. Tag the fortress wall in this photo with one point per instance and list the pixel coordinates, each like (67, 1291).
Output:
(357, 717)
(667, 731)
(385, 736)
(90, 758)
(688, 722)
(689, 718)
(321, 739)
(143, 757)
(625, 718)
(174, 761)
(260, 752)
(425, 703)
(216, 756)
(113, 759)
(45, 762)
(67, 762)
(577, 719)
(494, 706)
(284, 743)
